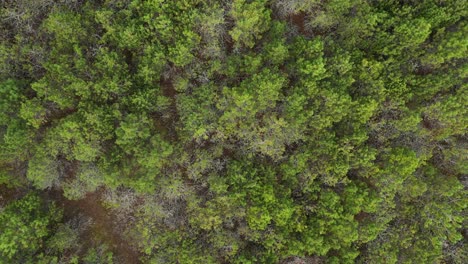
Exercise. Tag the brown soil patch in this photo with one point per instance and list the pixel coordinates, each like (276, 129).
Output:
(102, 229)
(7, 195)
(298, 20)
(361, 216)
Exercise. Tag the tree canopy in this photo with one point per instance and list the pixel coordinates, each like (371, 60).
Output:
(243, 131)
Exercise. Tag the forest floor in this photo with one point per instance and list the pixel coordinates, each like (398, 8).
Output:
(8, 194)
(102, 228)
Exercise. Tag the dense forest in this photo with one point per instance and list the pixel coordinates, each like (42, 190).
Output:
(233, 131)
